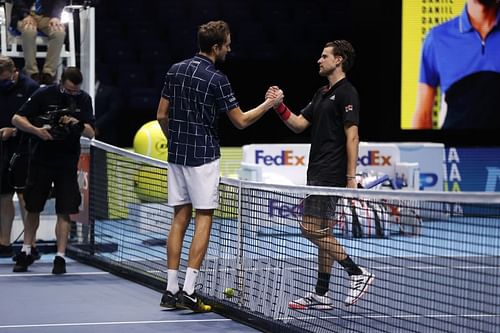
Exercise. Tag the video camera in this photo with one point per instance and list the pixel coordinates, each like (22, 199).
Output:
(52, 118)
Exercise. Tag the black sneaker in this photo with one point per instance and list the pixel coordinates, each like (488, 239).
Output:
(35, 254)
(192, 302)
(59, 265)
(169, 300)
(22, 262)
(6, 251)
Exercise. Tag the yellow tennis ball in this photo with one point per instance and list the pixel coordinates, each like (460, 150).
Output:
(150, 184)
(150, 141)
(229, 292)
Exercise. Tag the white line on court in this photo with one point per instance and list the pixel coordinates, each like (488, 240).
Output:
(140, 322)
(409, 316)
(50, 274)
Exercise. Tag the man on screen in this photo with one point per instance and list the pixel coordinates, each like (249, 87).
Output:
(461, 57)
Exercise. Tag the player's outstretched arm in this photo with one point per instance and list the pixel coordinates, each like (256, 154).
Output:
(242, 119)
(296, 123)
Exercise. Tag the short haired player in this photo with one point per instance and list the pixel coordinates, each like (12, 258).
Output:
(333, 115)
(194, 95)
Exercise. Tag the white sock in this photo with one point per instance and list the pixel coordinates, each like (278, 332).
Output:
(190, 281)
(26, 249)
(60, 254)
(172, 281)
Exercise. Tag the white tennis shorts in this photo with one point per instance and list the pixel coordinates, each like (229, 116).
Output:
(196, 185)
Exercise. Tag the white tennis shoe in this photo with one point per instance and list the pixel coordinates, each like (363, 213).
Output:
(311, 301)
(359, 286)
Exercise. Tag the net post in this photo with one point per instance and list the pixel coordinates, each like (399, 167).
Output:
(239, 272)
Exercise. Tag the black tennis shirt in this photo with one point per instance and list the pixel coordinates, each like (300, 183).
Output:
(328, 112)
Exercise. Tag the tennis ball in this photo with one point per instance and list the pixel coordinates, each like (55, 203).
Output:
(229, 292)
(150, 141)
(150, 184)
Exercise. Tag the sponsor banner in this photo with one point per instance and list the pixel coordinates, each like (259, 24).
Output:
(472, 169)
(378, 158)
(430, 159)
(290, 160)
(286, 160)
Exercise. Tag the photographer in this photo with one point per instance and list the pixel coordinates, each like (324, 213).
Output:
(15, 89)
(57, 115)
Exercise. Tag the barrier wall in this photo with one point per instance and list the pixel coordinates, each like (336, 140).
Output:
(289, 161)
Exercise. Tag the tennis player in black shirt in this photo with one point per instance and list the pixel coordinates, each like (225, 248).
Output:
(333, 115)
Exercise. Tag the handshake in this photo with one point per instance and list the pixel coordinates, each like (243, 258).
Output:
(276, 95)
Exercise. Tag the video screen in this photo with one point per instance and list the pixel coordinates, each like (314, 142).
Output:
(450, 65)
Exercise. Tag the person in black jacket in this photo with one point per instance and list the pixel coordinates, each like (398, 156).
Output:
(56, 116)
(15, 89)
(31, 16)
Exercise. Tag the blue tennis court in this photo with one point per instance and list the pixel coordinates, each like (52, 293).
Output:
(87, 299)
(421, 285)
(416, 288)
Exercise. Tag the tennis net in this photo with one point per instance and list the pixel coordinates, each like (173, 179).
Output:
(435, 256)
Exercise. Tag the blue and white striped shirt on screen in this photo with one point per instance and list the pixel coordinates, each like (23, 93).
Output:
(197, 93)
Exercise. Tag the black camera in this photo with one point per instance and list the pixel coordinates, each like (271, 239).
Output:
(58, 130)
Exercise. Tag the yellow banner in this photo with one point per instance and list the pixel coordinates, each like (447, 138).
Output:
(419, 16)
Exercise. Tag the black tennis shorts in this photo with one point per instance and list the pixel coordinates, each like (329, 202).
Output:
(321, 206)
(66, 190)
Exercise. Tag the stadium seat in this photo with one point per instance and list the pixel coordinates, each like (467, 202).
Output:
(11, 44)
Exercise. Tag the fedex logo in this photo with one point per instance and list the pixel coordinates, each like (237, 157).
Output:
(374, 158)
(284, 210)
(285, 158)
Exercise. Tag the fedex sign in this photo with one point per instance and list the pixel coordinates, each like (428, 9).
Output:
(374, 158)
(284, 158)
(284, 210)
(281, 164)
(378, 158)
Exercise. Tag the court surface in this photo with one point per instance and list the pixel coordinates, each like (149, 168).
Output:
(89, 300)
(442, 281)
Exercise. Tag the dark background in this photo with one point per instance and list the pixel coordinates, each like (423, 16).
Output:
(274, 42)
